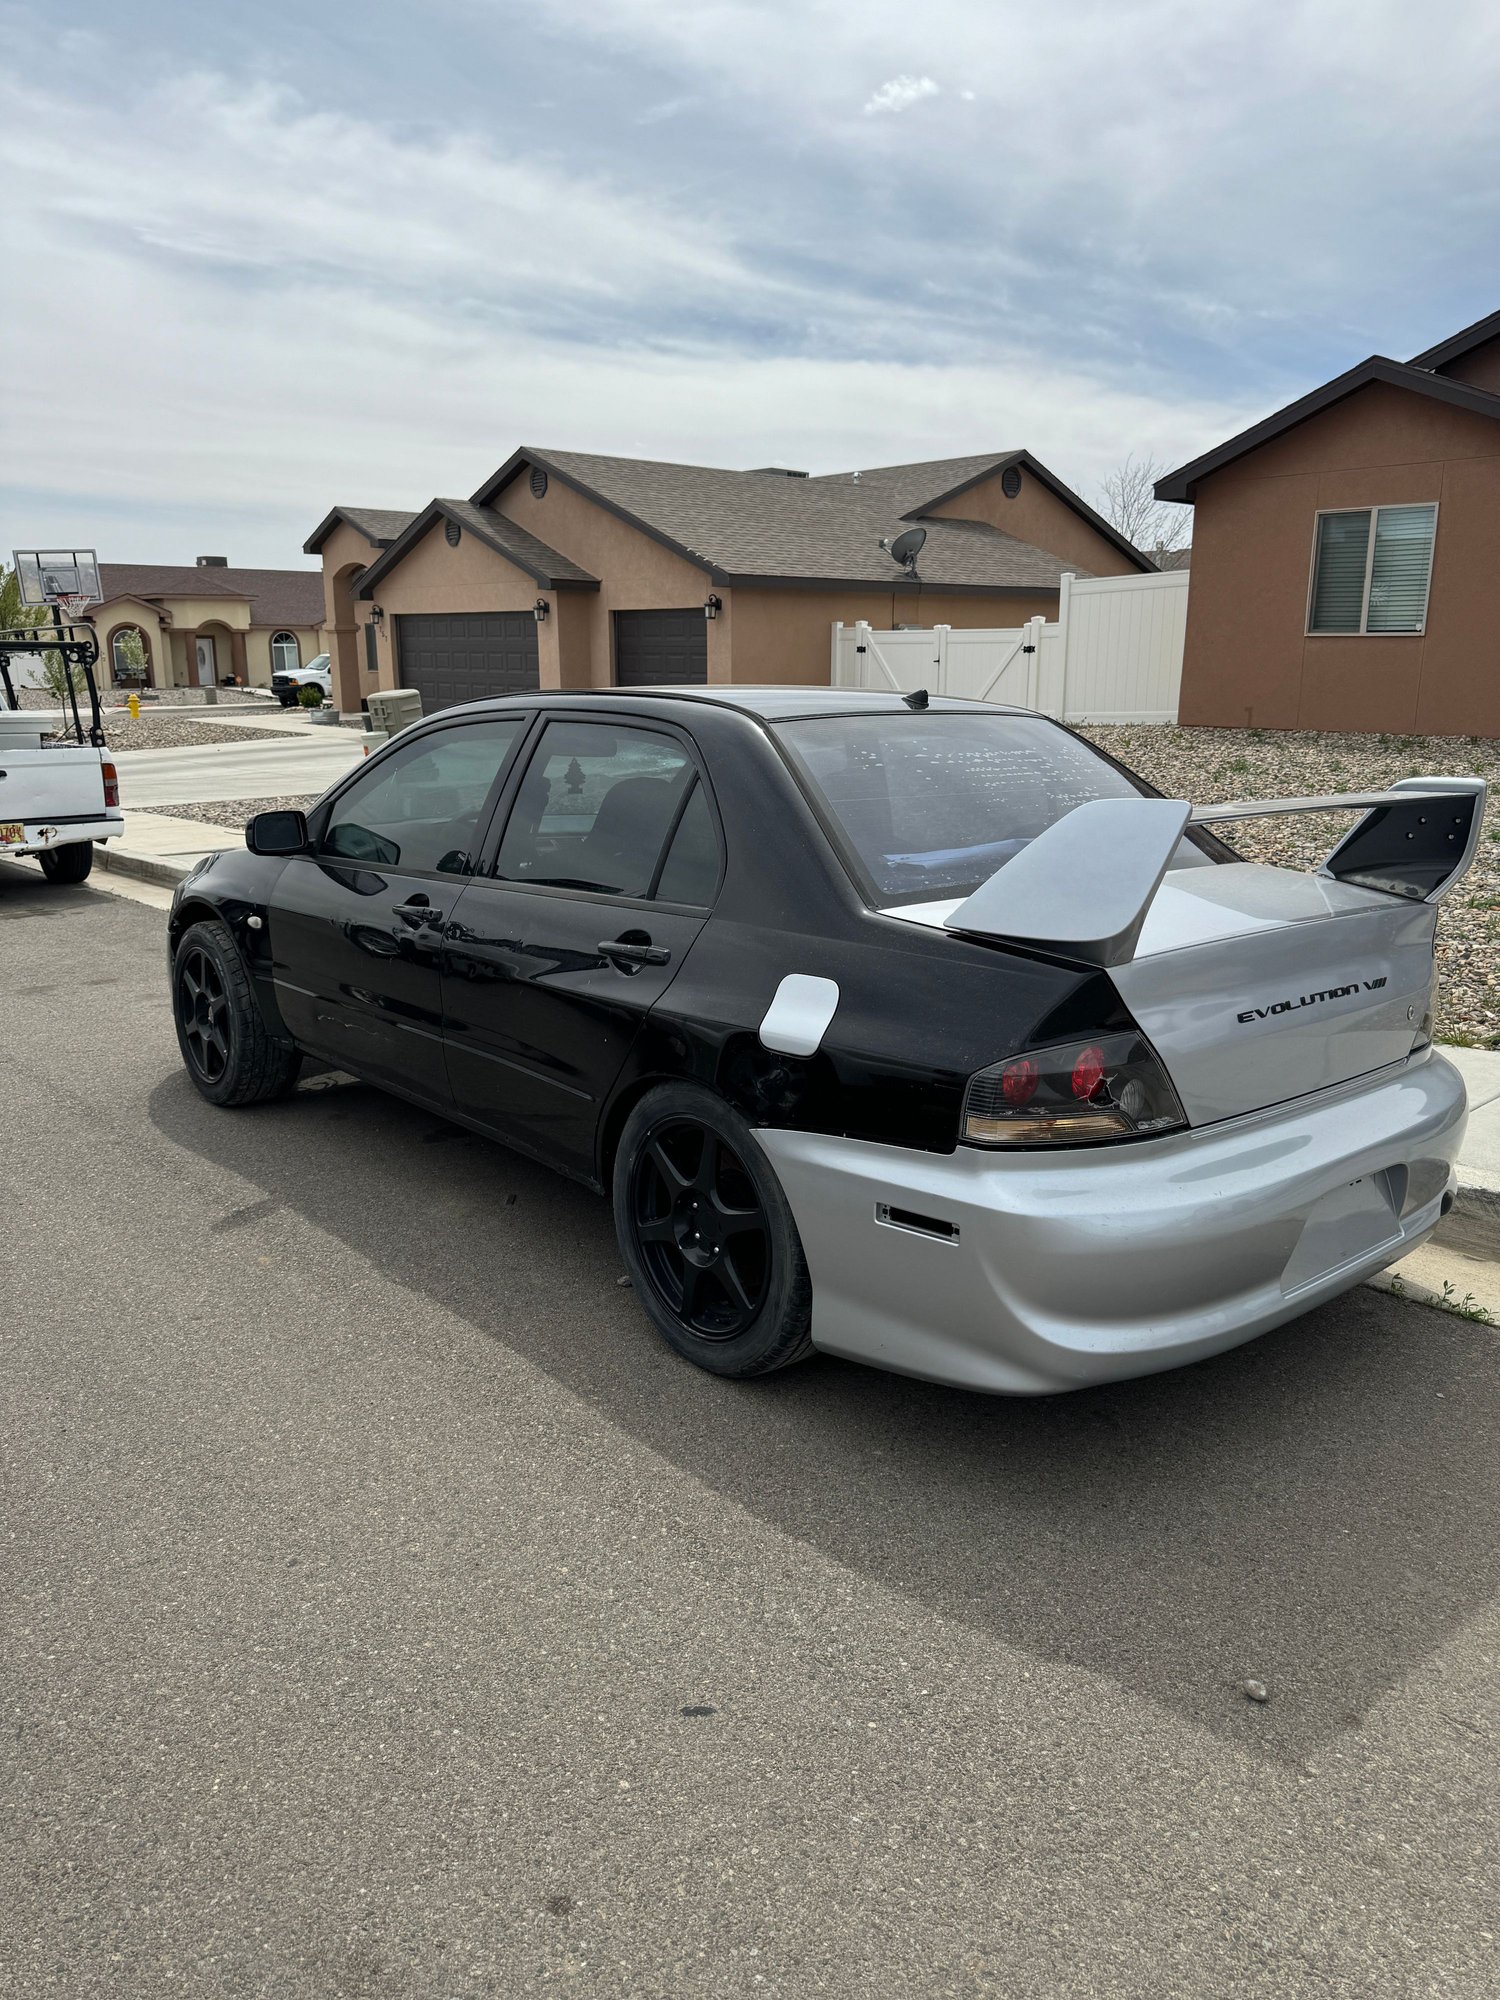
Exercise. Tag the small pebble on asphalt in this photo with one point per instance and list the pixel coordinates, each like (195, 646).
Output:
(1256, 1690)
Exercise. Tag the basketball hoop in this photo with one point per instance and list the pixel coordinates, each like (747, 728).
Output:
(73, 604)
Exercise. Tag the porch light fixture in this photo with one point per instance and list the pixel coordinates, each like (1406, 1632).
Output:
(377, 615)
(540, 610)
(712, 605)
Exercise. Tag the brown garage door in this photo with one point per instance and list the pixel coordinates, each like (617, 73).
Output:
(458, 657)
(660, 648)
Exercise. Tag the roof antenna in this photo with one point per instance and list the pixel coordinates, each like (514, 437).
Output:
(905, 548)
(916, 699)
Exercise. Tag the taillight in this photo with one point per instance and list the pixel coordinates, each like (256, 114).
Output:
(111, 785)
(1072, 1094)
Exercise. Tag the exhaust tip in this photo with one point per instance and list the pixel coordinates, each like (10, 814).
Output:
(1446, 1204)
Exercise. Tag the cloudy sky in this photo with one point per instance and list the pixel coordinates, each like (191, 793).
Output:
(268, 257)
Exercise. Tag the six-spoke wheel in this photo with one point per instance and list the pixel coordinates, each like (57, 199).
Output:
(229, 1053)
(707, 1235)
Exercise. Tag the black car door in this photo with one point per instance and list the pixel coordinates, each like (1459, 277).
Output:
(605, 872)
(356, 926)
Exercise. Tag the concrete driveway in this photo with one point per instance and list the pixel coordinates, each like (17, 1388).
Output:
(255, 769)
(388, 1613)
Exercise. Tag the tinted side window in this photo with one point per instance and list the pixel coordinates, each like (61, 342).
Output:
(594, 809)
(420, 807)
(690, 873)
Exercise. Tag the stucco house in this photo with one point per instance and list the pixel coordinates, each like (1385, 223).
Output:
(205, 624)
(1344, 571)
(567, 569)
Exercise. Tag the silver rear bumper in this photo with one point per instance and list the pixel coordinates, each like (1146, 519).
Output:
(1085, 1266)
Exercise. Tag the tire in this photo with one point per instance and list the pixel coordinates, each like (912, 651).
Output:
(68, 864)
(287, 700)
(226, 1047)
(739, 1303)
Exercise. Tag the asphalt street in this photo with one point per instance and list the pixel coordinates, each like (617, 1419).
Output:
(387, 1613)
(255, 769)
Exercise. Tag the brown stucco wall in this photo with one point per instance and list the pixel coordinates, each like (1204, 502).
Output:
(432, 577)
(1482, 367)
(635, 574)
(1036, 515)
(1248, 660)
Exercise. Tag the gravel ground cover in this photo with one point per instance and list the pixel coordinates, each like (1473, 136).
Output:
(233, 812)
(176, 732)
(1212, 765)
(30, 697)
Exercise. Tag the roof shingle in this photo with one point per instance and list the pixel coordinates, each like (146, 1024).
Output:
(761, 525)
(276, 596)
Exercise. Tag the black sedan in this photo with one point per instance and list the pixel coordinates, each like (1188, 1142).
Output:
(916, 1032)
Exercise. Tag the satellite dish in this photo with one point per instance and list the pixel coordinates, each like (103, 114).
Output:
(906, 547)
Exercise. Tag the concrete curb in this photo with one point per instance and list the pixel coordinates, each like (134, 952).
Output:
(146, 867)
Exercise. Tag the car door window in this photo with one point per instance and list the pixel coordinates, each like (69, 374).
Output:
(594, 809)
(421, 808)
(690, 873)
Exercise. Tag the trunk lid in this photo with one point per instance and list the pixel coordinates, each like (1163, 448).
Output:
(1257, 984)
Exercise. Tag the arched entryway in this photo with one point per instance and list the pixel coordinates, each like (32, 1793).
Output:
(127, 657)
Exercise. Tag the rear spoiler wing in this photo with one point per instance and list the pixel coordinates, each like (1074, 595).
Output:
(1083, 887)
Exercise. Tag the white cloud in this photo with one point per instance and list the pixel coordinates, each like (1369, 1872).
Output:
(901, 93)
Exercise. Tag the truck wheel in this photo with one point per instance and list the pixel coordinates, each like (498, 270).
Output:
(225, 1045)
(68, 864)
(708, 1237)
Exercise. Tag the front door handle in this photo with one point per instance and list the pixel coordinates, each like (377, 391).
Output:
(417, 911)
(628, 953)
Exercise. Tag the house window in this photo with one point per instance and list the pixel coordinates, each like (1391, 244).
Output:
(285, 658)
(1371, 569)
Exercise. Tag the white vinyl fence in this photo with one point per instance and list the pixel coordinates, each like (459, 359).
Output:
(1114, 654)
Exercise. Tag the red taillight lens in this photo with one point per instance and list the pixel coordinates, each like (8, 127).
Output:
(111, 785)
(1073, 1094)
(1088, 1072)
(1018, 1080)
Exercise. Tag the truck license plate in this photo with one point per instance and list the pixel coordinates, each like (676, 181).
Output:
(12, 832)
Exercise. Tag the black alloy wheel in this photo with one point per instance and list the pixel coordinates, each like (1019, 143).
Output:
(702, 1231)
(231, 1055)
(707, 1235)
(203, 1013)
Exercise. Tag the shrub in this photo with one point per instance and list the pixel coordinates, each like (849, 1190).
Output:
(310, 697)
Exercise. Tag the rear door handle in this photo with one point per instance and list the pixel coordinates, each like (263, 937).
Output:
(635, 954)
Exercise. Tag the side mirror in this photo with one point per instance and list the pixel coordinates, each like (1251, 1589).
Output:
(277, 833)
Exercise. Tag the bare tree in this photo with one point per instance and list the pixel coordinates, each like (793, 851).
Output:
(1127, 500)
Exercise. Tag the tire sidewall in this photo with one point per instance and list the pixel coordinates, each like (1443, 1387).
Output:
(212, 940)
(778, 1332)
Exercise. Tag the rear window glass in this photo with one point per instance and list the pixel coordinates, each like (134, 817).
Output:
(930, 806)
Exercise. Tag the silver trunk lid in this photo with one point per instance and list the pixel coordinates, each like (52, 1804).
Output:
(1257, 984)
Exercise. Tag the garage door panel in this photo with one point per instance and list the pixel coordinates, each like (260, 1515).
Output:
(661, 648)
(454, 657)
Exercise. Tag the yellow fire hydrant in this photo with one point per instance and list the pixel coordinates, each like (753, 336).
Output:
(134, 705)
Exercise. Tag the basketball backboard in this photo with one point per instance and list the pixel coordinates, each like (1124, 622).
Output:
(57, 576)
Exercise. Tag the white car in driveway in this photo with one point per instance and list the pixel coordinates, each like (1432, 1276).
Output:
(57, 795)
(287, 686)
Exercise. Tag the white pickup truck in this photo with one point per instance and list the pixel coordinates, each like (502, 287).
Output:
(57, 795)
(287, 685)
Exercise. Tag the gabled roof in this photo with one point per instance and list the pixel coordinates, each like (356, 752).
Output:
(379, 525)
(546, 566)
(764, 528)
(276, 596)
(918, 489)
(1179, 485)
(1457, 345)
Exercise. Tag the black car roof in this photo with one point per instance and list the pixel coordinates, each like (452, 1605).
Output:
(767, 704)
